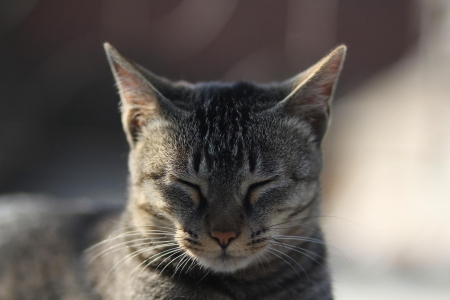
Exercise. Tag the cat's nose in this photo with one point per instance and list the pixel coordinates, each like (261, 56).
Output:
(224, 237)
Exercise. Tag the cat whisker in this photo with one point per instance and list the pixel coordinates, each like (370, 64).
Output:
(110, 240)
(192, 265)
(146, 228)
(294, 226)
(303, 249)
(110, 249)
(167, 264)
(107, 240)
(316, 241)
(271, 252)
(138, 230)
(134, 225)
(282, 245)
(119, 246)
(288, 256)
(203, 276)
(303, 252)
(159, 233)
(183, 258)
(264, 256)
(300, 238)
(158, 226)
(269, 262)
(125, 234)
(295, 220)
(260, 261)
(312, 217)
(161, 245)
(186, 263)
(171, 252)
(136, 253)
(167, 251)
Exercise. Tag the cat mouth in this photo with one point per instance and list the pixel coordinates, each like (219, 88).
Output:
(227, 256)
(225, 262)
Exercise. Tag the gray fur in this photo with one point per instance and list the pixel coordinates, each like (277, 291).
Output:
(237, 157)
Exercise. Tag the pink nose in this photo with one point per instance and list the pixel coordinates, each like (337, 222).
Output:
(224, 238)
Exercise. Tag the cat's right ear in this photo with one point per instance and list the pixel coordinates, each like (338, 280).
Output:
(140, 100)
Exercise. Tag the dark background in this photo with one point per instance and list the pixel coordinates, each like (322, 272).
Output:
(60, 130)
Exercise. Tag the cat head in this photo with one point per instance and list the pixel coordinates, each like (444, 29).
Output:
(224, 163)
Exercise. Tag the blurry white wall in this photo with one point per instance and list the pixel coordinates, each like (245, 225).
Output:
(388, 165)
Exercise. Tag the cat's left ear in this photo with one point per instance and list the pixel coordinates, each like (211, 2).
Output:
(311, 92)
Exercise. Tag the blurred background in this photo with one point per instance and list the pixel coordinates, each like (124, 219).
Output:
(387, 155)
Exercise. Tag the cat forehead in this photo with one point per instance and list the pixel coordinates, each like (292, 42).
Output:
(237, 95)
(227, 119)
(228, 110)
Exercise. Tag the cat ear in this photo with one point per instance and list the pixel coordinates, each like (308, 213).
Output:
(140, 100)
(311, 91)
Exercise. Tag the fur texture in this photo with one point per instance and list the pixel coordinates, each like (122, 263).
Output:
(224, 194)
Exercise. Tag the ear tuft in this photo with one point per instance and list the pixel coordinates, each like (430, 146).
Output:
(311, 92)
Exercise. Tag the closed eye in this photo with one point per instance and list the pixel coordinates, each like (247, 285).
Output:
(193, 187)
(251, 190)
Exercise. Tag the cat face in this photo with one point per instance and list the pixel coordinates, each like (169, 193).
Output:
(224, 164)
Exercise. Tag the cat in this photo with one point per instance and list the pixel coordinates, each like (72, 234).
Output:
(224, 198)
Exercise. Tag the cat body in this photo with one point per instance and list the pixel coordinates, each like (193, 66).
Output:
(224, 195)
(42, 243)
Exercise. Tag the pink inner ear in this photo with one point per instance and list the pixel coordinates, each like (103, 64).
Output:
(130, 84)
(325, 89)
(135, 118)
(321, 87)
(316, 92)
(311, 100)
(138, 99)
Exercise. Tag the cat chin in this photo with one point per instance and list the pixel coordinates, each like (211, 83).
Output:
(227, 264)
